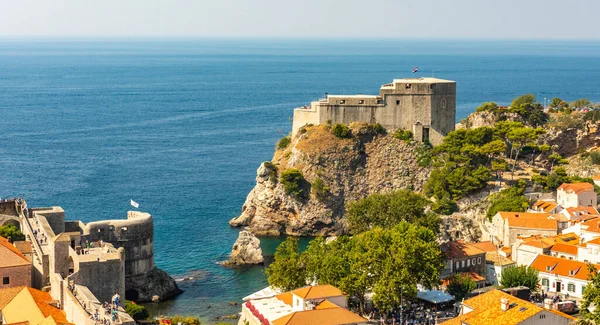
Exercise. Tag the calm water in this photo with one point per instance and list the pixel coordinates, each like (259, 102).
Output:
(180, 126)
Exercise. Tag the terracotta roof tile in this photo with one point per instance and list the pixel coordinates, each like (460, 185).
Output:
(458, 249)
(576, 187)
(286, 298)
(529, 220)
(546, 206)
(10, 255)
(326, 304)
(486, 246)
(318, 291)
(486, 310)
(561, 266)
(564, 248)
(7, 294)
(328, 316)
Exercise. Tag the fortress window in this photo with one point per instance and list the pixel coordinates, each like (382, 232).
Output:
(5, 280)
(380, 101)
(431, 86)
(397, 102)
(443, 103)
(343, 101)
(361, 101)
(408, 86)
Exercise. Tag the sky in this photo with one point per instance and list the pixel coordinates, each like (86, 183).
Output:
(469, 19)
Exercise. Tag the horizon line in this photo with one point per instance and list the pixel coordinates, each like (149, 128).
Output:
(284, 38)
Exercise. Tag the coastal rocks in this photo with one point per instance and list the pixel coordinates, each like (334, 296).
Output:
(145, 287)
(246, 250)
(348, 170)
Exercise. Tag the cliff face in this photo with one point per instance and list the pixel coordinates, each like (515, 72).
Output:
(352, 169)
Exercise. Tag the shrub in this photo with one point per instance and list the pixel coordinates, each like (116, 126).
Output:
(137, 312)
(283, 143)
(341, 131)
(510, 200)
(378, 128)
(11, 231)
(293, 183)
(321, 191)
(185, 320)
(445, 206)
(595, 156)
(402, 134)
(272, 171)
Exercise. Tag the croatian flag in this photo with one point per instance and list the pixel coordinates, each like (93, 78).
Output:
(134, 204)
(415, 69)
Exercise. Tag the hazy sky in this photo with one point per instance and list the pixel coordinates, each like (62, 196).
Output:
(515, 19)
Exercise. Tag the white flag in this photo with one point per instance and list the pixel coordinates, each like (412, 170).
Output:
(134, 204)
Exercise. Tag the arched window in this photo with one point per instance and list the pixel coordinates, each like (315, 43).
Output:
(443, 104)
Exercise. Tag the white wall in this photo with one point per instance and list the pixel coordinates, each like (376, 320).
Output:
(546, 318)
(564, 281)
(591, 254)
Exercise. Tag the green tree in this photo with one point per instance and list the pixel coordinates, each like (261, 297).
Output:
(511, 200)
(341, 131)
(294, 183)
(493, 149)
(558, 103)
(12, 232)
(402, 134)
(518, 138)
(460, 286)
(591, 297)
(137, 312)
(520, 276)
(523, 100)
(385, 210)
(445, 206)
(287, 271)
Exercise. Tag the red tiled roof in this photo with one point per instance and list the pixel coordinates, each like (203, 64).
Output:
(458, 249)
(576, 187)
(486, 246)
(564, 248)
(561, 266)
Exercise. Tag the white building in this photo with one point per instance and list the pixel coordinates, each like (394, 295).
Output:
(559, 275)
(572, 195)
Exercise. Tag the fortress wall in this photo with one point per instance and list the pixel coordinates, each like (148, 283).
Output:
(347, 114)
(304, 116)
(55, 217)
(135, 235)
(9, 208)
(443, 118)
(104, 278)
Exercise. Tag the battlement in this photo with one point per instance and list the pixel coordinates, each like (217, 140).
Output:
(425, 106)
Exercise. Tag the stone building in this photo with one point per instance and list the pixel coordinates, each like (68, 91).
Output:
(15, 268)
(425, 106)
(507, 226)
(462, 257)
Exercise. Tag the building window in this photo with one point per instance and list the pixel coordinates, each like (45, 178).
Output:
(463, 263)
(457, 265)
(571, 287)
(473, 261)
(360, 101)
(545, 282)
(5, 280)
(443, 104)
(468, 262)
(542, 316)
(397, 102)
(408, 86)
(343, 101)
(479, 260)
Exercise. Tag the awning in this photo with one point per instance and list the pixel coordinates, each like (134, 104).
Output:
(435, 296)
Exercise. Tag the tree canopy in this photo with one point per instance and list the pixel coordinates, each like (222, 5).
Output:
(387, 210)
(511, 200)
(12, 232)
(591, 296)
(388, 262)
(460, 286)
(520, 276)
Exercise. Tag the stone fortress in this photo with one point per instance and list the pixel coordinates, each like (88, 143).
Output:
(83, 265)
(425, 106)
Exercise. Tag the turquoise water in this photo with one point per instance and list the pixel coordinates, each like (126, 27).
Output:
(180, 126)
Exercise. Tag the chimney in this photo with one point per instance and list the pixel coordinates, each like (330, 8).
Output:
(504, 305)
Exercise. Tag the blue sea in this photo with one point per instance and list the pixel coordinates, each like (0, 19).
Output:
(181, 125)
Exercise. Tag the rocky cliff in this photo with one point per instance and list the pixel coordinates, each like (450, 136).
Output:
(349, 169)
(246, 250)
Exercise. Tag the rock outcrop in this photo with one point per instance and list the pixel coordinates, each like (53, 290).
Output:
(349, 169)
(154, 283)
(246, 250)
